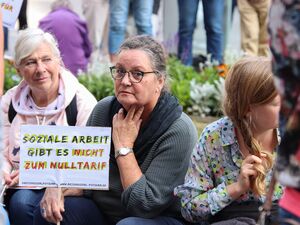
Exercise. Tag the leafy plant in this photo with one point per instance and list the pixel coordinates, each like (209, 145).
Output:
(198, 93)
(99, 85)
(11, 78)
(206, 98)
(180, 76)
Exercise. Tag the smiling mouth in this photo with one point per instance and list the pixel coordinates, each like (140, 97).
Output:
(125, 92)
(41, 79)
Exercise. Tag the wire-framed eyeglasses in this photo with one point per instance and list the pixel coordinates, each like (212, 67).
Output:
(134, 76)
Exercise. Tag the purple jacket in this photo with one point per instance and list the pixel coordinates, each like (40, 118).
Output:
(72, 36)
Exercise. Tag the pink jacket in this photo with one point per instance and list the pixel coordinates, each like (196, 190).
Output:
(69, 86)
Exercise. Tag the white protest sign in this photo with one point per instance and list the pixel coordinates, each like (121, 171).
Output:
(10, 12)
(65, 156)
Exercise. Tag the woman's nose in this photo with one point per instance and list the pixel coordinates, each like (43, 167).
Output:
(126, 79)
(40, 66)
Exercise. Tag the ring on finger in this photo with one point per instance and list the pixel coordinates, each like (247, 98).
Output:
(43, 211)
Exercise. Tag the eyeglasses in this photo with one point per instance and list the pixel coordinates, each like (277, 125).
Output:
(134, 76)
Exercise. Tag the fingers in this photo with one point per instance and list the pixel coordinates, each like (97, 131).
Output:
(248, 165)
(62, 203)
(15, 181)
(14, 174)
(56, 212)
(52, 205)
(139, 122)
(7, 179)
(252, 159)
(131, 112)
(264, 155)
(249, 170)
(138, 112)
(51, 213)
(126, 127)
(135, 112)
(120, 114)
(11, 179)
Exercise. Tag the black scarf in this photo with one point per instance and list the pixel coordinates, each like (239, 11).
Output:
(166, 111)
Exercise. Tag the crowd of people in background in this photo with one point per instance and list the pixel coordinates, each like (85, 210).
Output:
(158, 173)
(106, 32)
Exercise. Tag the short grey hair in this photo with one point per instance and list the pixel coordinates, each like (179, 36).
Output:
(153, 49)
(61, 3)
(29, 40)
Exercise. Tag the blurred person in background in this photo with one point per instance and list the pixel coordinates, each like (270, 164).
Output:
(254, 26)
(118, 17)
(96, 15)
(213, 12)
(23, 16)
(284, 28)
(71, 33)
(23, 24)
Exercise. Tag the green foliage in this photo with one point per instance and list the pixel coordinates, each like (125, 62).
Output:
(180, 80)
(179, 72)
(11, 77)
(198, 93)
(209, 74)
(99, 85)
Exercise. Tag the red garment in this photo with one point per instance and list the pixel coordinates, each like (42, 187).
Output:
(290, 201)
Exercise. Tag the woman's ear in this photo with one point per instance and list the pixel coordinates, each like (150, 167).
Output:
(249, 110)
(17, 69)
(161, 83)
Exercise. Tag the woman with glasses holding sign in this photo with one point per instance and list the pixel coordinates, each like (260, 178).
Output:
(42, 98)
(152, 139)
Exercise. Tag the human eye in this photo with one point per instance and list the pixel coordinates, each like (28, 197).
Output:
(276, 101)
(137, 74)
(30, 62)
(120, 71)
(47, 59)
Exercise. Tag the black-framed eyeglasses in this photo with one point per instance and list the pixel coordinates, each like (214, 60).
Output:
(134, 76)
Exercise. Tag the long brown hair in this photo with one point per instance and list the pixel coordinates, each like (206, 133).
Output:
(250, 82)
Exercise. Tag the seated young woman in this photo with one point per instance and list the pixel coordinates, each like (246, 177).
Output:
(231, 165)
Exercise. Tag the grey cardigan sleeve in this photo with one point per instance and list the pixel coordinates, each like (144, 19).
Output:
(153, 192)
